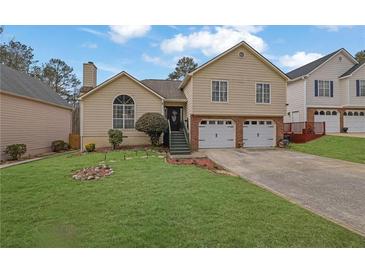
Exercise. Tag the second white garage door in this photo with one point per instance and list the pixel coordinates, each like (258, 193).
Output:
(259, 133)
(216, 134)
(354, 121)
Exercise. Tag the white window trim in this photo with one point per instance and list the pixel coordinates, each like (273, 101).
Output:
(263, 103)
(363, 92)
(211, 91)
(329, 88)
(135, 112)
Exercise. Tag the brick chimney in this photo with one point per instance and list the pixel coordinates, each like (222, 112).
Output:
(89, 77)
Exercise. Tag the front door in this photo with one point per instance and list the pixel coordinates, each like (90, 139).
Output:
(173, 115)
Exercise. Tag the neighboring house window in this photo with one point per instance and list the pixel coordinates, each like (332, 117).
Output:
(123, 112)
(219, 91)
(360, 88)
(323, 88)
(263, 93)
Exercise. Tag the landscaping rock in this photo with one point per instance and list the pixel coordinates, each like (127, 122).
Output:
(93, 173)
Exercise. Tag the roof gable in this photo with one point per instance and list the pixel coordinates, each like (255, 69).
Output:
(316, 64)
(353, 69)
(114, 78)
(218, 57)
(21, 84)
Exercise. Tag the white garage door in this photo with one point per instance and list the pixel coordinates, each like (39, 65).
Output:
(259, 133)
(354, 121)
(331, 119)
(216, 134)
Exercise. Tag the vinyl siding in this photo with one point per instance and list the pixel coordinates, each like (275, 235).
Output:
(295, 100)
(353, 99)
(188, 90)
(33, 123)
(329, 71)
(97, 111)
(242, 75)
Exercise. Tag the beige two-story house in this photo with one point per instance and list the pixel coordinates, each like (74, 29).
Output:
(237, 99)
(331, 90)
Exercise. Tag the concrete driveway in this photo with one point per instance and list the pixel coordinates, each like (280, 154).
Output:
(332, 188)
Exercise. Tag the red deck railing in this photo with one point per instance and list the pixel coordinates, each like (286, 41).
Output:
(301, 132)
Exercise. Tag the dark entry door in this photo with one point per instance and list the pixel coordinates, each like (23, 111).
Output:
(173, 114)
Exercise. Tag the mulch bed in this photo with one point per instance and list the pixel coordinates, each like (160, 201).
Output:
(201, 162)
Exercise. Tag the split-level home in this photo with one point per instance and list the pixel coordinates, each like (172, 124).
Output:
(237, 99)
(331, 90)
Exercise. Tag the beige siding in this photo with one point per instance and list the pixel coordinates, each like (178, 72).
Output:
(97, 111)
(353, 99)
(296, 100)
(330, 71)
(188, 91)
(242, 75)
(35, 124)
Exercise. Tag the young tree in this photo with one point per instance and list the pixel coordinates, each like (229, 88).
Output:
(60, 77)
(360, 56)
(183, 67)
(17, 56)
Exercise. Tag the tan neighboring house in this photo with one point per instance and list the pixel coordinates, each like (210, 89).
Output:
(31, 113)
(331, 90)
(237, 99)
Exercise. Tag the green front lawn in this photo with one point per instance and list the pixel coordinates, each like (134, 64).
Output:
(343, 148)
(149, 203)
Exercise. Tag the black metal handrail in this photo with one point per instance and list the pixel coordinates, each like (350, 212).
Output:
(168, 121)
(186, 133)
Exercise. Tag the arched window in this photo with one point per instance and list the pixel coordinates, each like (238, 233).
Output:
(123, 112)
(321, 112)
(334, 112)
(361, 113)
(345, 113)
(316, 112)
(349, 113)
(356, 113)
(328, 112)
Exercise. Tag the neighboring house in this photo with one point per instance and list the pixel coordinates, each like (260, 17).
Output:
(331, 90)
(236, 99)
(31, 113)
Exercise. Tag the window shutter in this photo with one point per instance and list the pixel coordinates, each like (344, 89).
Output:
(357, 87)
(331, 88)
(316, 88)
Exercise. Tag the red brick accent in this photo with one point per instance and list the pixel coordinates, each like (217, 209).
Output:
(195, 120)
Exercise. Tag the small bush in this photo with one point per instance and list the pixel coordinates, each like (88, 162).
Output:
(90, 147)
(153, 124)
(59, 145)
(115, 137)
(15, 151)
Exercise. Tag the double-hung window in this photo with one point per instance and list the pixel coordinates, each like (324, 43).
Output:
(361, 87)
(263, 95)
(324, 88)
(219, 91)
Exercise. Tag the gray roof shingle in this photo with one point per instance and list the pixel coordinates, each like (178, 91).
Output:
(168, 89)
(304, 70)
(352, 69)
(22, 84)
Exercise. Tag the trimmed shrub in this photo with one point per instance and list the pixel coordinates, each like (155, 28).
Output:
(59, 145)
(90, 147)
(115, 137)
(15, 151)
(153, 124)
